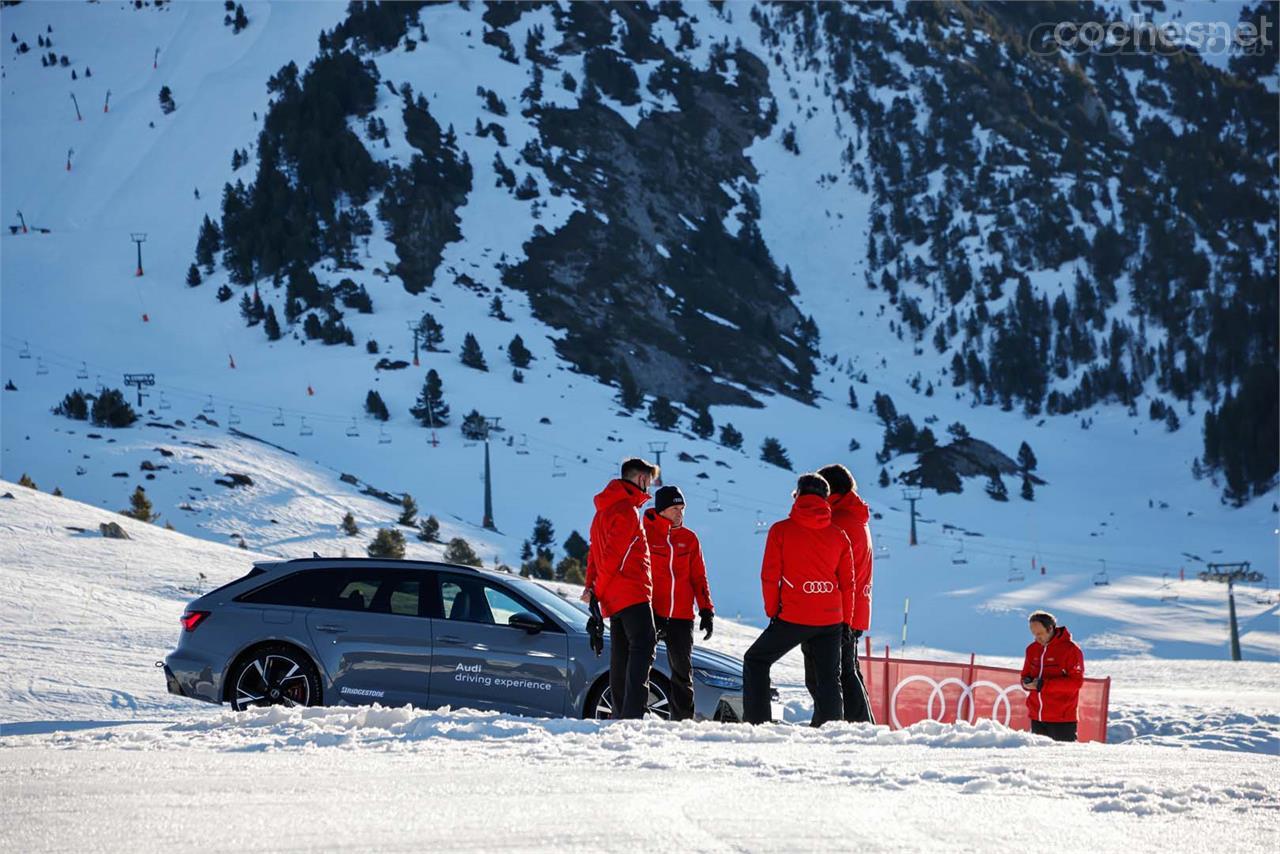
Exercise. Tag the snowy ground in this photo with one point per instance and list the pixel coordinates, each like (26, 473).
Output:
(88, 732)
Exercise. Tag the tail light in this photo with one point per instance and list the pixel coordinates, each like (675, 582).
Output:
(191, 619)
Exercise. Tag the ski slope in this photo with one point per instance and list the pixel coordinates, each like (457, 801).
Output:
(87, 729)
(1119, 499)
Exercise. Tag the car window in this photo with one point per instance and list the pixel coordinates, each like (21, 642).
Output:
(404, 597)
(472, 600)
(313, 588)
(358, 594)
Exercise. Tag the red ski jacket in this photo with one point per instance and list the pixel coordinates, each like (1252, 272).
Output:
(618, 556)
(1060, 663)
(807, 574)
(679, 575)
(850, 514)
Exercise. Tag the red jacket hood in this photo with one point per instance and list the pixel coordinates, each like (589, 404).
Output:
(620, 490)
(811, 511)
(851, 502)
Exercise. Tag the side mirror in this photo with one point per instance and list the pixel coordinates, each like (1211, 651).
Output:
(531, 623)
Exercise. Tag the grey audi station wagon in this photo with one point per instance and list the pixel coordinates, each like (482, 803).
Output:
(329, 631)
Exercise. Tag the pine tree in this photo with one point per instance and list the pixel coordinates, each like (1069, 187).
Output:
(518, 353)
(430, 408)
(884, 479)
(853, 398)
(702, 425)
(1028, 490)
(1026, 458)
(432, 332)
(26, 481)
(544, 534)
(388, 543)
(166, 100)
(140, 507)
(576, 547)
(193, 276)
(429, 529)
(662, 414)
(496, 309)
(472, 356)
(224, 293)
(57, 491)
(110, 409)
(208, 244)
(474, 427)
(272, 326)
(374, 405)
(408, 511)
(569, 570)
(74, 406)
(349, 526)
(629, 394)
(771, 451)
(459, 551)
(240, 21)
(517, 375)
(730, 437)
(246, 309)
(996, 488)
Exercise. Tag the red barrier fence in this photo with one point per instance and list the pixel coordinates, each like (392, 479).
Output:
(905, 691)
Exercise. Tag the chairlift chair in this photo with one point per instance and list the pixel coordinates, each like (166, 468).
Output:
(522, 449)
(384, 438)
(353, 431)
(882, 552)
(278, 421)
(1263, 597)
(164, 402)
(232, 417)
(1167, 593)
(762, 527)
(41, 368)
(208, 407)
(1101, 578)
(557, 467)
(25, 352)
(715, 507)
(98, 386)
(83, 373)
(958, 557)
(305, 429)
(1015, 574)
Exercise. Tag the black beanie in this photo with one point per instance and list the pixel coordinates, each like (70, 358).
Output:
(667, 496)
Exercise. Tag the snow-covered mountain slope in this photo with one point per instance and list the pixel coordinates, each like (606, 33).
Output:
(88, 730)
(1118, 498)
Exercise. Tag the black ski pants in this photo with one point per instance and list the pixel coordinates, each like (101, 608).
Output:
(678, 636)
(1065, 731)
(853, 690)
(779, 638)
(632, 645)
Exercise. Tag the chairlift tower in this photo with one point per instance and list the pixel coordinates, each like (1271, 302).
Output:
(656, 448)
(139, 237)
(140, 380)
(912, 494)
(1230, 573)
(490, 425)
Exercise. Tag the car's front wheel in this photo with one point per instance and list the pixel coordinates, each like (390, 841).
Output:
(274, 675)
(600, 706)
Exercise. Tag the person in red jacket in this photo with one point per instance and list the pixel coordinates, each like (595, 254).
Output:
(850, 514)
(1052, 674)
(679, 581)
(618, 577)
(807, 581)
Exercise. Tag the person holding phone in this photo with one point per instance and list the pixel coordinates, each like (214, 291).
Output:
(1052, 674)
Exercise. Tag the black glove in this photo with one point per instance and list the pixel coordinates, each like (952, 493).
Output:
(856, 634)
(595, 627)
(705, 624)
(1040, 684)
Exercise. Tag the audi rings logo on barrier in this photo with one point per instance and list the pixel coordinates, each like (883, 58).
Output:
(819, 587)
(967, 692)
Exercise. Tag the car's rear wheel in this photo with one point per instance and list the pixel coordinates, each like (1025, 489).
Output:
(600, 704)
(274, 675)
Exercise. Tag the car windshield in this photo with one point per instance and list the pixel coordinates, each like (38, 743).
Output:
(571, 612)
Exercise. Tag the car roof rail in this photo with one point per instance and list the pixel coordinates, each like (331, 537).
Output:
(316, 558)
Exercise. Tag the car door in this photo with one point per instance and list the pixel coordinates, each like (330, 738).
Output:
(374, 637)
(481, 662)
